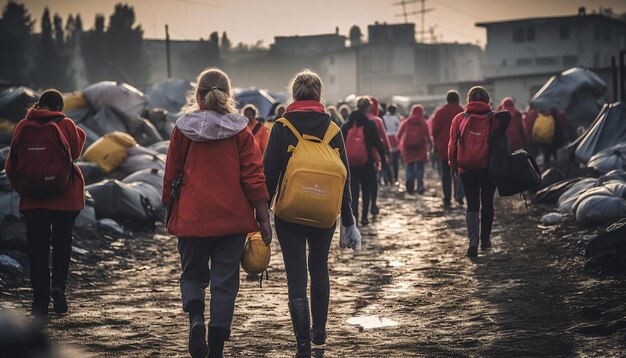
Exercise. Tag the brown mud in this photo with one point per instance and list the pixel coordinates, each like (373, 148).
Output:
(528, 296)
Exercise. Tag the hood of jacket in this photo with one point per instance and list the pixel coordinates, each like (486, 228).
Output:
(375, 110)
(417, 113)
(478, 107)
(204, 126)
(44, 115)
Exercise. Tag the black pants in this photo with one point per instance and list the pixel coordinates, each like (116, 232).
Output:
(549, 154)
(45, 227)
(374, 183)
(479, 191)
(293, 239)
(360, 178)
(224, 254)
(391, 173)
(447, 183)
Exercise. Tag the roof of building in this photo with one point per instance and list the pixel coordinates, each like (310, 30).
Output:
(553, 18)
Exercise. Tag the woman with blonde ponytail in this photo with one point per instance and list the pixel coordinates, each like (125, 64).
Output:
(214, 184)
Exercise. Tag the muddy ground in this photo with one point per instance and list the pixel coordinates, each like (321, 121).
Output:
(528, 296)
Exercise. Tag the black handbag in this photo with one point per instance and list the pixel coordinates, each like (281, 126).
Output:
(522, 174)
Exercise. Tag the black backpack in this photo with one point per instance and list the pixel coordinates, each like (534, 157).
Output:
(499, 148)
(522, 174)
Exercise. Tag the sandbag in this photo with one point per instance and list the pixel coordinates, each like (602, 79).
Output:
(9, 205)
(552, 193)
(606, 252)
(78, 115)
(161, 146)
(124, 99)
(523, 174)
(87, 216)
(15, 101)
(619, 175)
(153, 177)
(147, 134)
(153, 196)
(139, 162)
(105, 121)
(74, 100)
(601, 205)
(170, 95)
(7, 126)
(550, 176)
(91, 172)
(118, 201)
(551, 219)
(568, 198)
(109, 151)
(613, 158)
(90, 136)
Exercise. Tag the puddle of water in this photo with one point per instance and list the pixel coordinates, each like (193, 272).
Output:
(370, 322)
(395, 263)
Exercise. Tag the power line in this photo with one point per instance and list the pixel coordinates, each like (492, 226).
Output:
(459, 10)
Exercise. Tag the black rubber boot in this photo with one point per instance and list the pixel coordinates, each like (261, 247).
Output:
(59, 302)
(473, 224)
(486, 221)
(410, 186)
(197, 329)
(299, 310)
(217, 337)
(319, 314)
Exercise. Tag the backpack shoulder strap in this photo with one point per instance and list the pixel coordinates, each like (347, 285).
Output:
(257, 127)
(293, 129)
(331, 132)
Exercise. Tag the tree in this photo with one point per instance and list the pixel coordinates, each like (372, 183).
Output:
(94, 51)
(51, 60)
(59, 34)
(226, 44)
(15, 41)
(124, 42)
(355, 35)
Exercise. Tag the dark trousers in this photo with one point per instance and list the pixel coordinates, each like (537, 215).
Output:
(391, 173)
(223, 254)
(549, 154)
(374, 183)
(479, 191)
(447, 182)
(293, 239)
(45, 227)
(360, 177)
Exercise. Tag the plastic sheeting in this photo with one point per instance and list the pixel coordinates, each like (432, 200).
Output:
(5, 185)
(161, 146)
(119, 201)
(152, 194)
(153, 177)
(607, 251)
(609, 159)
(577, 92)
(14, 102)
(601, 205)
(607, 130)
(91, 172)
(263, 101)
(147, 134)
(4, 154)
(87, 216)
(568, 198)
(552, 193)
(127, 101)
(169, 95)
(9, 205)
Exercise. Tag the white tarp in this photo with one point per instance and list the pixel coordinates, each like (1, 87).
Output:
(601, 205)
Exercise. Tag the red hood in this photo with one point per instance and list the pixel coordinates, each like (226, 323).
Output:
(43, 114)
(417, 112)
(507, 103)
(375, 110)
(306, 106)
(478, 107)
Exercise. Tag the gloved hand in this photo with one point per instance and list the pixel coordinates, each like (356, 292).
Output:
(350, 237)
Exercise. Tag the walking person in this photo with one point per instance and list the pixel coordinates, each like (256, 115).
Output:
(468, 153)
(306, 120)
(261, 133)
(362, 141)
(440, 127)
(380, 164)
(392, 125)
(516, 131)
(415, 144)
(52, 193)
(212, 214)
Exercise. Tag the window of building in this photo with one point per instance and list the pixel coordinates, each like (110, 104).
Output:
(530, 34)
(524, 61)
(564, 32)
(518, 35)
(607, 35)
(546, 61)
(570, 61)
(524, 34)
(597, 33)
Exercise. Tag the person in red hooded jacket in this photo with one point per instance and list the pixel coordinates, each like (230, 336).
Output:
(380, 165)
(214, 152)
(50, 219)
(440, 127)
(478, 184)
(516, 131)
(415, 144)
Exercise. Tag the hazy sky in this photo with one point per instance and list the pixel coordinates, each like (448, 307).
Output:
(251, 20)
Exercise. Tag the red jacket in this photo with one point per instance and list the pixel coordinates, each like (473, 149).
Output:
(222, 179)
(459, 120)
(441, 123)
(416, 118)
(261, 136)
(516, 131)
(73, 199)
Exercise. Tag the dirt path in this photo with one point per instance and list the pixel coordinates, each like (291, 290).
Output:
(526, 297)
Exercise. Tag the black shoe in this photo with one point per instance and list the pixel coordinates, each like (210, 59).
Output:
(472, 251)
(197, 332)
(365, 222)
(375, 210)
(217, 337)
(59, 302)
(421, 191)
(39, 309)
(447, 203)
(460, 202)
(485, 244)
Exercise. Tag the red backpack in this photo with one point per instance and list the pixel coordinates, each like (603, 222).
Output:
(472, 151)
(356, 150)
(41, 159)
(414, 138)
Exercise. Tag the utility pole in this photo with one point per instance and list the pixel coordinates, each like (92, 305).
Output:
(167, 52)
(422, 12)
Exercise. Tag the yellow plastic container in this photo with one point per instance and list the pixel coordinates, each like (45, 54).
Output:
(75, 100)
(109, 151)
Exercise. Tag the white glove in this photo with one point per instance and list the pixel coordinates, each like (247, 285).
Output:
(350, 237)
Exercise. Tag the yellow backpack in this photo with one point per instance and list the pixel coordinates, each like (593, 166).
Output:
(312, 185)
(256, 255)
(543, 129)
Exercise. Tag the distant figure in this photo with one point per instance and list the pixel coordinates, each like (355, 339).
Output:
(215, 165)
(335, 115)
(304, 117)
(260, 132)
(415, 144)
(278, 113)
(52, 193)
(546, 128)
(392, 124)
(345, 110)
(440, 127)
(362, 140)
(468, 154)
(373, 115)
(516, 131)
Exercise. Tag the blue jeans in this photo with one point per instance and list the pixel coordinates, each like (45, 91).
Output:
(414, 171)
